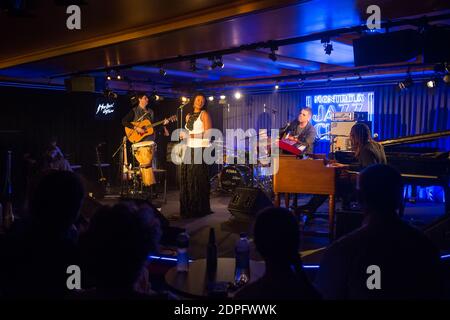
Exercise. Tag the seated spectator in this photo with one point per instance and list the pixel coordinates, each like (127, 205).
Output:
(277, 239)
(115, 250)
(38, 250)
(53, 158)
(408, 262)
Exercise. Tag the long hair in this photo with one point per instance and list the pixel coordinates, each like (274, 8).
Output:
(205, 104)
(360, 136)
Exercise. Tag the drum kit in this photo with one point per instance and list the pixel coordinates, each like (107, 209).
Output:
(238, 171)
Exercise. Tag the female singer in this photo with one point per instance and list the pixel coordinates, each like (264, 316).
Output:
(195, 187)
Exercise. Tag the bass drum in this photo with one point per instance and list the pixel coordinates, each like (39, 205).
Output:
(234, 176)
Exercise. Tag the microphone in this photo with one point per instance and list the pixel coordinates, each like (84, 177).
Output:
(375, 135)
(285, 126)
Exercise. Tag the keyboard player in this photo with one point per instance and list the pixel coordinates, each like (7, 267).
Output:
(367, 152)
(301, 131)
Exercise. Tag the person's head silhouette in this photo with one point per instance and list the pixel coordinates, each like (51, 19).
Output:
(56, 201)
(277, 236)
(380, 190)
(118, 242)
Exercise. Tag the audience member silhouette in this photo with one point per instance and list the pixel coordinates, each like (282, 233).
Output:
(386, 258)
(277, 239)
(115, 250)
(53, 158)
(38, 249)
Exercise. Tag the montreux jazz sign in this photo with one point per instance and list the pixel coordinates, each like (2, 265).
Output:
(324, 105)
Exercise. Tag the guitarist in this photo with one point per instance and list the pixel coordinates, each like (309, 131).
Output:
(302, 131)
(139, 113)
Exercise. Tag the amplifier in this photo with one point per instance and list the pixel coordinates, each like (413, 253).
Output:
(349, 116)
(340, 130)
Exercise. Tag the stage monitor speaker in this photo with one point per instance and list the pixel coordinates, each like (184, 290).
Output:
(247, 201)
(399, 46)
(80, 84)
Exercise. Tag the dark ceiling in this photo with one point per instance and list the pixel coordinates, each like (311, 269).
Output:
(139, 38)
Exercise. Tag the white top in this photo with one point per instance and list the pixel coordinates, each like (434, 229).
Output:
(198, 127)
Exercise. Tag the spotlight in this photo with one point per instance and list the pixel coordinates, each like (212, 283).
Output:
(157, 98)
(327, 46)
(404, 85)
(222, 97)
(431, 83)
(213, 63)
(219, 62)
(119, 77)
(108, 77)
(193, 65)
(277, 87)
(272, 55)
(237, 95)
(162, 72)
(446, 78)
(211, 98)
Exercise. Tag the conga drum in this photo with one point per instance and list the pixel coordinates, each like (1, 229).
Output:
(143, 152)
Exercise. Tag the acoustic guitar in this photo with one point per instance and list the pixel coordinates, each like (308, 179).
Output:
(133, 136)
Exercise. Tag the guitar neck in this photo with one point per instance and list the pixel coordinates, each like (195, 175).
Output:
(157, 123)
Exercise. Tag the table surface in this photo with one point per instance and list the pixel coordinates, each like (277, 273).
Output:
(193, 283)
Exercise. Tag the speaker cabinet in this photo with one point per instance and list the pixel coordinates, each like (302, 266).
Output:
(247, 201)
(80, 84)
(391, 47)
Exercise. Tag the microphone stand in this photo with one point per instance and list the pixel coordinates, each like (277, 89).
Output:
(179, 139)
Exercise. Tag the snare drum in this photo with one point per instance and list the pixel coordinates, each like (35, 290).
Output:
(143, 152)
